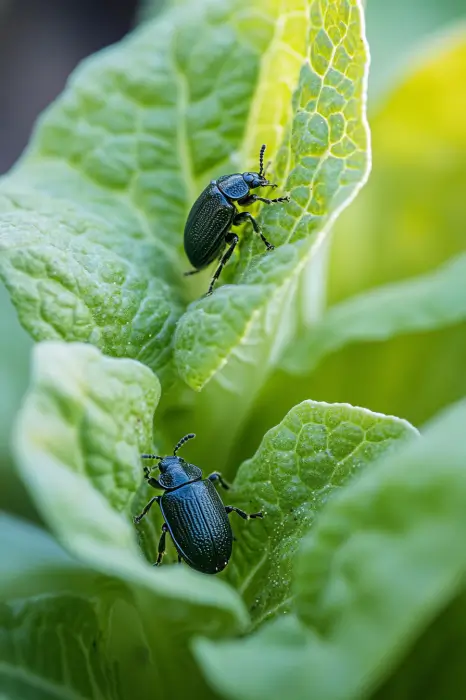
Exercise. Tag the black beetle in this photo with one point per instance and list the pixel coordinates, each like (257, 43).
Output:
(193, 513)
(207, 228)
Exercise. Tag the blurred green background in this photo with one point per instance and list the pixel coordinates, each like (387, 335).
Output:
(409, 219)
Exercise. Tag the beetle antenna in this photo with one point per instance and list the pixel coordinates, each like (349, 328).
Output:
(261, 160)
(151, 457)
(181, 442)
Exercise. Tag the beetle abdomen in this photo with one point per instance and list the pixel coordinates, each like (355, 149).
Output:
(207, 224)
(199, 526)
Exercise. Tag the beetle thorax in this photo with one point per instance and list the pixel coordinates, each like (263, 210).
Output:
(175, 472)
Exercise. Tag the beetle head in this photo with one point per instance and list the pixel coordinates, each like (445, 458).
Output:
(175, 471)
(254, 180)
(170, 462)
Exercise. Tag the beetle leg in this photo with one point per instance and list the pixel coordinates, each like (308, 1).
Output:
(154, 483)
(247, 216)
(150, 479)
(232, 239)
(216, 476)
(277, 200)
(180, 559)
(245, 516)
(250, 199)
(191, 272)
(161, 549)
(137, 519)
(147, 474)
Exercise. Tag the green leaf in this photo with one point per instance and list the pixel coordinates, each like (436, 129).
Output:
(426, 303)
(322, 163)
(52, 648)
(84, 256)
(91, 417)
(84, 424)
(384, 559)
(14, 373)
(92, 218)
(65, 630)
(14, 359)
(70, 279)
(33, 563)
(316, 449)
(53, 637)
(85, 421)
